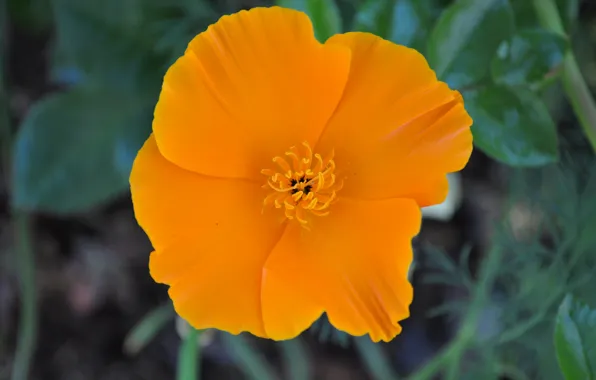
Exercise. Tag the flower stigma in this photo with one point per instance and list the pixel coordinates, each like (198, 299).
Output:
(304, 184)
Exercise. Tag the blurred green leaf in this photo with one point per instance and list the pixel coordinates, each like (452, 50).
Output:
(587, 213)
(188, 357)
(528, 57)
(374, 16)
(195, 8)
(69, 148)
(326, 332)
(121, 17)
(144, 332)
(575, 339)
(405, 22)
(569, 10)
(250, 361)
(374, 359)
(296, 359)
(106, 43)
(512, 125)
(324, 15)
(465, 39)
(175, 23)
(35, 15)
(525, 14)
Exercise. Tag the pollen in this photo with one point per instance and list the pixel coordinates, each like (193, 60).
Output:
(303, 184)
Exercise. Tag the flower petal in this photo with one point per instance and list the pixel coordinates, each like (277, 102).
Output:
(397, 131)
(210, 238)
(252, 85)
(293, 281)
(353, 264)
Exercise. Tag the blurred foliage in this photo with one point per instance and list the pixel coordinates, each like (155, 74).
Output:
(4, 125)
(147, 328)
(526, 15)
(512, 124)
(403, 22)
(375, 359)
(73, 151)
(188, 357)
(324, 15)
(252, 362)
(296, 359)
(465, 39)
(575, 339)
(327, 333)
(547, 243)
(528, 58)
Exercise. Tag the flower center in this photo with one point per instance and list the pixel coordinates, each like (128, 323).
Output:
(304, 184)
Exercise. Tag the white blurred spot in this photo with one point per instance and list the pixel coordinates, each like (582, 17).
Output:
(444, 211)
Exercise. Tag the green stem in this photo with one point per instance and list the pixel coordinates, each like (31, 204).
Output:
(375, 359)
(141, 334)
(4, 122)
(188, 357)
(28, 318)
(27, 330)
(451, 355)
(295, 355)
(249, 360)
(573, 82)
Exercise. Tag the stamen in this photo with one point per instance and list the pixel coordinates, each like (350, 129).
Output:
(311, 205)
(276, 187)
(297, 196)
(295, 158)
(318, 164)
(319, 213)
(289, 214)
(306, 187)
(283, 164)
(300, 215)
(321, 182)
(308, 155)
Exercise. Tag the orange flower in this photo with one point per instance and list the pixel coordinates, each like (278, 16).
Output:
(284, 177)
